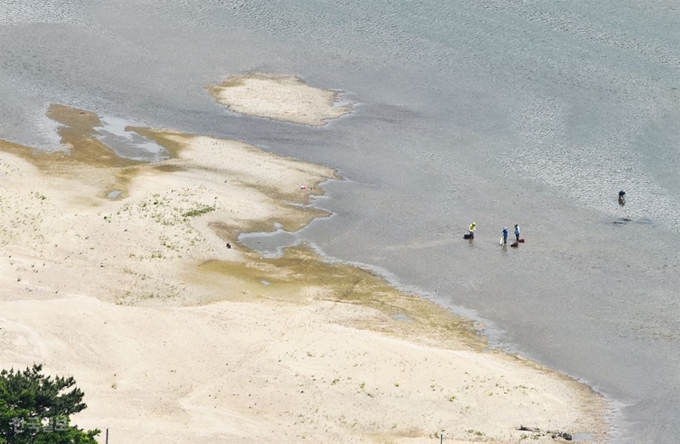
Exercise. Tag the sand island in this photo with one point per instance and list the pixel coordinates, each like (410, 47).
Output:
(279, 97)
(175, 338)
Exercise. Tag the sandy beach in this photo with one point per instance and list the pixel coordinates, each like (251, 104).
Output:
(117, 272)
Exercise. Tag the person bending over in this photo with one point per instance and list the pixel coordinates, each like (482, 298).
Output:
(471, 229)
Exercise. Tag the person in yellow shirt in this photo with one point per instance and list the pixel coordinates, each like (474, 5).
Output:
(471, 229)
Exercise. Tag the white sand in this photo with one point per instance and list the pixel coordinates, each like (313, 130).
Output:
(279, 97)
(110, 291)
(236, 371)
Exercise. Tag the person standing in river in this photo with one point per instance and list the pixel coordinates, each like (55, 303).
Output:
(622, 198)
(505, 235)
(517, 232)
(471, 229)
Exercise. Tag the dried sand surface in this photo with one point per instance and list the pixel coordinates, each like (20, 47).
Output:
(278, 97)
(175, 339)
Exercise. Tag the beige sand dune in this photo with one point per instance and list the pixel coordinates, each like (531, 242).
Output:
(176, 339)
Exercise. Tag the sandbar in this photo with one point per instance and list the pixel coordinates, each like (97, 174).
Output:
(279, 97)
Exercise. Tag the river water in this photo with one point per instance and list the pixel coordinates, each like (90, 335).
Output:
(498, 111)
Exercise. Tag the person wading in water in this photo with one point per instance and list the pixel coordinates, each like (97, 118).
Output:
(471, 229)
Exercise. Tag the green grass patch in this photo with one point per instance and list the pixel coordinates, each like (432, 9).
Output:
(198, 211)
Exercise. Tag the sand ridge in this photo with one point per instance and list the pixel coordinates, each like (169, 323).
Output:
(175, 338)
(279, 97)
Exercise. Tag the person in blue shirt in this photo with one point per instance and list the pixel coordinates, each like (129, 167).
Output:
(517, 232)
(505, 235)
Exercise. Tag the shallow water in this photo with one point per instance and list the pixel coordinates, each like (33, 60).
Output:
(499, 111)
(114, 134)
